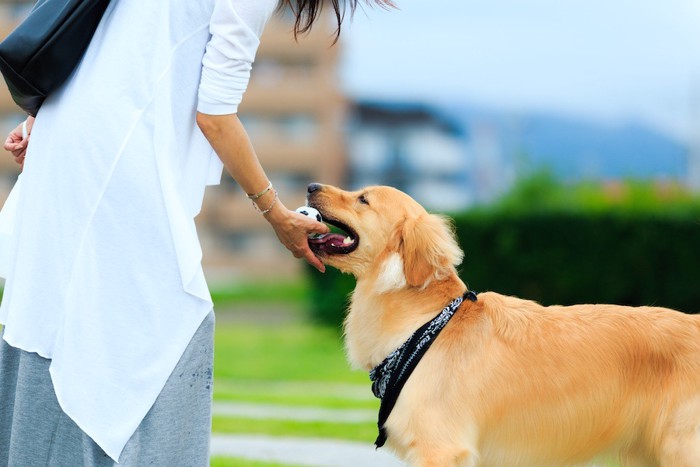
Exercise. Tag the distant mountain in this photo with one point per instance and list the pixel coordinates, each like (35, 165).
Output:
(575, 149)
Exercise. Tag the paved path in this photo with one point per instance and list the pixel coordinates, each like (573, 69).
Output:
(302, 451)
(299, 451)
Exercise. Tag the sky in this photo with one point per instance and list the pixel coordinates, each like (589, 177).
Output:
(615, 61)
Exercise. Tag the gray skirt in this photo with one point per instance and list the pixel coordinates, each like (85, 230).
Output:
(34, 431)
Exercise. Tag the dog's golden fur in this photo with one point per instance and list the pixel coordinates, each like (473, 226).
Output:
(509, 382)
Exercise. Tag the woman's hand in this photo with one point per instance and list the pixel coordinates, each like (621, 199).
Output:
(17, 141)
(293, 231)
(230, 141)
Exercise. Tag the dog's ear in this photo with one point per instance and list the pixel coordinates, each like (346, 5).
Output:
(428, 247)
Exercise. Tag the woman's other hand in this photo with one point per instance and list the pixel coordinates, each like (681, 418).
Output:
(17, 141)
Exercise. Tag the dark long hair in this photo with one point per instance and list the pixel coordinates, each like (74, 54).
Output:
(307, 12)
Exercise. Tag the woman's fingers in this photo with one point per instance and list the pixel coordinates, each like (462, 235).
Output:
(16, 143)
(293, 230)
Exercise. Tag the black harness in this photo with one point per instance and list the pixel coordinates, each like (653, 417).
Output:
(390, 376)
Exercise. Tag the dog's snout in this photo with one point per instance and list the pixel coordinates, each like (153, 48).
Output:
(313, 188)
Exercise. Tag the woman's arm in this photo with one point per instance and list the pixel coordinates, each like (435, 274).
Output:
(231, 143)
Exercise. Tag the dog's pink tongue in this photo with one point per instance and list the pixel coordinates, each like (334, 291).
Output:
(330, 243)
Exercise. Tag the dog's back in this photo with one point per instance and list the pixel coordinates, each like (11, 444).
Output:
(560, 385)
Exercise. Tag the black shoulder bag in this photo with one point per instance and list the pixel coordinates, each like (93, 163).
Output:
(42, 52)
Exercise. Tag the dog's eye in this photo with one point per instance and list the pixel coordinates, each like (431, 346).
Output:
(362, 199)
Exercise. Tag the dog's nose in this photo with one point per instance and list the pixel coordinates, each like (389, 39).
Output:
(313, 188)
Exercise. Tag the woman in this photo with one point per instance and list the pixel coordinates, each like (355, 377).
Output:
(107, 347)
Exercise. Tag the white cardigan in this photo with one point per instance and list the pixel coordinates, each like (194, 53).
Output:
(97, 240)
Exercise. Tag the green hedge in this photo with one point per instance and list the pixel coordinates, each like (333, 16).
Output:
(567, 258)
(628, 257)
(329, 295)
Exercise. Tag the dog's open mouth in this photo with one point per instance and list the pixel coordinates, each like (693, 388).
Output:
(335, 243)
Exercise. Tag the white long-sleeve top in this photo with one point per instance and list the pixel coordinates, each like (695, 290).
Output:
(97, 240)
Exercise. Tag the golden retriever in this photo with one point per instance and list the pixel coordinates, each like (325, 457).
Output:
(508, 382)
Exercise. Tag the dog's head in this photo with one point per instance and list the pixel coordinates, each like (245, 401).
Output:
(386, 234)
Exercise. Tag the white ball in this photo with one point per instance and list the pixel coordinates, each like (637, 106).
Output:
(310, 212)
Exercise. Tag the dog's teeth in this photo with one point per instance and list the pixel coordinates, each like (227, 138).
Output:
(347, 240)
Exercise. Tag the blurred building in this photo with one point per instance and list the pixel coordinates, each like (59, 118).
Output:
(493, 169)
(294, 113)
(693, 179)
(414, 148)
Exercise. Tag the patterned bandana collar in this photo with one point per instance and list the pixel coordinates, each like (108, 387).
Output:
(389, 377)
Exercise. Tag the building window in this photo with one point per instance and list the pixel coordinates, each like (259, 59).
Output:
(297, 128)
(272, 71)
(369, 151)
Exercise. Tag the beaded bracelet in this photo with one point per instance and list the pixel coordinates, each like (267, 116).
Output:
(261, 194)
(269, 208)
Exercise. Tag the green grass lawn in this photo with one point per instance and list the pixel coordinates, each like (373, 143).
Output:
(267, 352)
(292, 353)
(295, 364)
(230, 462)
(296, 393)
(365, 432)
(291, 291)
